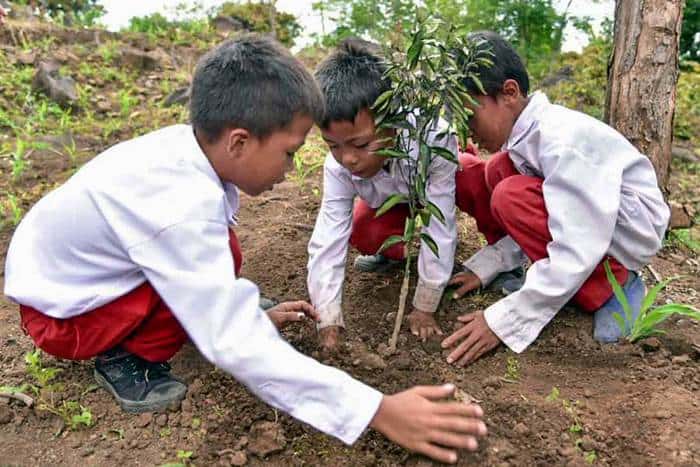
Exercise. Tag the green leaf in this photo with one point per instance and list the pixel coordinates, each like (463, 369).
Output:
(390, 202)
(651, 295)
(619, 293)
(475, 79)
(383, 98)
(389, 242)
(424, 216)
(392, 153)
(431, 243)
(445, 153)
(409, 229)
(620, 323)
(648, 323)
(435, 211)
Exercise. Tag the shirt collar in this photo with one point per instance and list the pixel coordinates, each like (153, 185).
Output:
(527, 118)
(201, 162)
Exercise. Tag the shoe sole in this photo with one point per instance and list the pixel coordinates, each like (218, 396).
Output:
(137, 406)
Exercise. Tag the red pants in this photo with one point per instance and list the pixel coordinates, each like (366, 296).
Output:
(502, 202)
(140, 322)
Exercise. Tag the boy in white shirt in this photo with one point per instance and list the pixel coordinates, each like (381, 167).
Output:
(356, 182)
(135, 253)
(567, 191)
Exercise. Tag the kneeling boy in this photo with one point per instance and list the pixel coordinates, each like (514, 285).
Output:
(567, 191)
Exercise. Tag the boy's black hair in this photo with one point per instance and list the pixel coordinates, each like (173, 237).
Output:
(351, 78)
(507, 64)
(251, 82)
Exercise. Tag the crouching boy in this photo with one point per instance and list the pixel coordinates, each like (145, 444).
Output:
(135, 253)
(566, 191)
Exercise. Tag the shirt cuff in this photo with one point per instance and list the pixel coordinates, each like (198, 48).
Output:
(486, 264)
(427, 296)
(366, 400)
(331, 315)
(505, 323)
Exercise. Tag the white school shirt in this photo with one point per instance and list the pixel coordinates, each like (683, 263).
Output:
(328, 246)
(602, 198)
(153, 209)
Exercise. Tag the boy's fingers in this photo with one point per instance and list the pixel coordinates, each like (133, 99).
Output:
(456, 336)
(435, 392)
(457, 279)
(460, 410)
(475, 352)
(447, 456)
(462, 348)
(466, 317)
(454, 440)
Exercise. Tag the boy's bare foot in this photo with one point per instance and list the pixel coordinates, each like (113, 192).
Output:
(417, 420)
(329, 340)
(423, 324)
(466, 282)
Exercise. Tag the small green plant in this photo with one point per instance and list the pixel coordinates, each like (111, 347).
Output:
(45, 389)
(553, 395)
(11, 210)
(647, 322)
(512, 370)
(684, 237)
(35, 368)
(126, 102)
(18, 159)
(303, 168)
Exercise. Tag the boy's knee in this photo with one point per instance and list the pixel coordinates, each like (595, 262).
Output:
(505, 196)
(498, 168)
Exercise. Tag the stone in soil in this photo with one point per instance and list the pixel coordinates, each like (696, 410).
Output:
(493, 382)
(521, 429)
(266, 438)
(238, 458)
(5, 414)
(650, 344)
(144, 420)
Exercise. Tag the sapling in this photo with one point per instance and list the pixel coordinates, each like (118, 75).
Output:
(648, 320)
(427, 84)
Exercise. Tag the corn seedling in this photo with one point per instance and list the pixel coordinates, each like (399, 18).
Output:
(649, 318)
(427, 83)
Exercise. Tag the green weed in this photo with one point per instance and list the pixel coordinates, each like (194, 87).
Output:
(512, 370)
(11, 210)
(647, 322)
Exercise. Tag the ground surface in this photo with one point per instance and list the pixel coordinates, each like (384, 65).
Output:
(565, 401)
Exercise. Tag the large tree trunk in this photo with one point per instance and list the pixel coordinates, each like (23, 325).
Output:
(642, 77)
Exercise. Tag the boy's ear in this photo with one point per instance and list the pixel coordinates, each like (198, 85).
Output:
(511, 89)
(236, 139)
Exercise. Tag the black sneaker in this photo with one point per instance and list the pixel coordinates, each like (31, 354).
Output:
(375, 263)
(138, 385)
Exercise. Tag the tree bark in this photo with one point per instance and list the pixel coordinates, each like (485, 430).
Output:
(642, 77)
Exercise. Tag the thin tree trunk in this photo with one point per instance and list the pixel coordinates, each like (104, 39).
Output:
(642, 77)
(402, 301)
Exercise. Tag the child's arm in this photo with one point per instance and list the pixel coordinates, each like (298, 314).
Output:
(491, 260)
(328, 246)
(224, 321)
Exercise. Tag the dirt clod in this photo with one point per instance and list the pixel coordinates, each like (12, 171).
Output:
(144, 420)
(492, 382)
(266, 438)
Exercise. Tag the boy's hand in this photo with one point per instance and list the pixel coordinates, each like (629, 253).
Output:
(329, 339)
(477, 339)
(2, 15)
(466, 282)
(288, 312)
(418, 421)
(423, 324)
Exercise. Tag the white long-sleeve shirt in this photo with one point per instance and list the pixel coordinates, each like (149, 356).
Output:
(602, 198)
(153, 209)
(329, 242)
